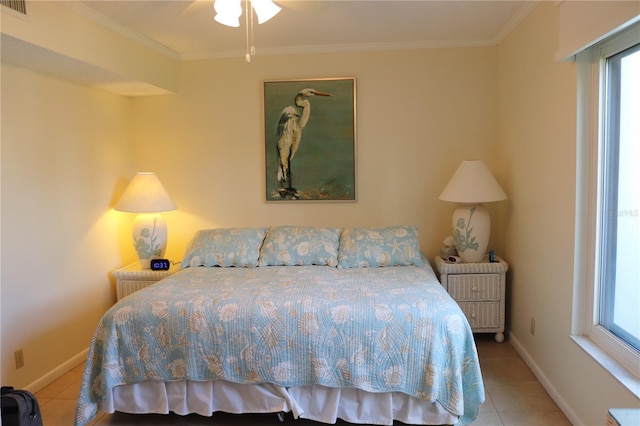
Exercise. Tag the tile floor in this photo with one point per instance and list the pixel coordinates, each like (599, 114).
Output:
(513, 397)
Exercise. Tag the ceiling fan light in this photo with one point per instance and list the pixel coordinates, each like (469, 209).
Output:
(265, 9)
(228, 12)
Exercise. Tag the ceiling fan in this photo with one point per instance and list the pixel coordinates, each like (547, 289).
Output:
(204, 6)
(228, 12)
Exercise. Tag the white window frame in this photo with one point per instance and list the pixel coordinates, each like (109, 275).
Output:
(612, 353)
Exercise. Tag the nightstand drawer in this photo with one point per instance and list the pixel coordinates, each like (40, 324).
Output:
(481, 315)
(474, 287)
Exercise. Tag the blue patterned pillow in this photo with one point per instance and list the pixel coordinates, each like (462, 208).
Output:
(374, 247)
(225, 247)
(298, 245)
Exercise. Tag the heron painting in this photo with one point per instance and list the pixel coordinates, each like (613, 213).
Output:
(310, 140)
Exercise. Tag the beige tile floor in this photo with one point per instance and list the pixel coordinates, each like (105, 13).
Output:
(513, 397)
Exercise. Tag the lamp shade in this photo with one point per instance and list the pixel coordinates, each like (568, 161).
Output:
(472, 183)
(145, 194)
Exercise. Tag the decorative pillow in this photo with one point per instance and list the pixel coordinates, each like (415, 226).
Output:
(374, 247)
(225, 247)
(298, 245)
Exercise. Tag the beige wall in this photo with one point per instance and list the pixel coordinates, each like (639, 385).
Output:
(537, 109)
(419, 113)
(65, 153)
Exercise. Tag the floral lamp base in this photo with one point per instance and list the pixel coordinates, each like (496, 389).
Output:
(149, 237)
(471, 230)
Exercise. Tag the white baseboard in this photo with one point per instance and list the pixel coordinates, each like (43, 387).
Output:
(546, 384)
(57, 372)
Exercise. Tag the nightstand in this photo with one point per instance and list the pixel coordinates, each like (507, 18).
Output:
(132, 278)
(479, 288)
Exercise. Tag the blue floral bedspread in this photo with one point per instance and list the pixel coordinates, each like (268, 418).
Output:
(377, 329)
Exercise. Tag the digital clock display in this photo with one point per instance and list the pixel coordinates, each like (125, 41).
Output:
(160, 264)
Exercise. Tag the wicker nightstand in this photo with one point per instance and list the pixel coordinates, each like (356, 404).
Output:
(132, 278)
(479, 288)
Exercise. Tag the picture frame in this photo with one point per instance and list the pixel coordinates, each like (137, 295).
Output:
(310, 139)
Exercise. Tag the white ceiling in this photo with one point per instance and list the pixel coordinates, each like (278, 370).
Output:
(185, 29)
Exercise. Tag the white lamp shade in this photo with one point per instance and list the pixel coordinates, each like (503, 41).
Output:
(472, 183)
(145, 194)
(228, 12)
(265, 9)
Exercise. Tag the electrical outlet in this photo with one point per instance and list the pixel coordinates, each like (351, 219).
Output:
(19, 358)
(532, 330)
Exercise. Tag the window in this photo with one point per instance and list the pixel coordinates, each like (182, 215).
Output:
(619, 279)
(607, 267)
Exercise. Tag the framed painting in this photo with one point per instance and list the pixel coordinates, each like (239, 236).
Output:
(310, 139)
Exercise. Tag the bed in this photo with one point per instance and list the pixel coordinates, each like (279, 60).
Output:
(324, 323)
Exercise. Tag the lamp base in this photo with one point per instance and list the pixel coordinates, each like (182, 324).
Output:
(149, 237)
(471, 230)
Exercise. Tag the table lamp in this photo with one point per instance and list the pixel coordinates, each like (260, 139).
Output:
(471, 185)
(146, 196)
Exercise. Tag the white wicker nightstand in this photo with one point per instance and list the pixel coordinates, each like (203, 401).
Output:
(132, 278)
(479, 288)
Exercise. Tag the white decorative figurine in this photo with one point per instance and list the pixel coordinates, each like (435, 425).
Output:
(448, 248)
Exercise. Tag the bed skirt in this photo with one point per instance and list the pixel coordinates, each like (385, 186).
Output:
(313, 402)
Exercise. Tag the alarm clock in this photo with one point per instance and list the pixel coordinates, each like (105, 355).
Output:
(160, 264)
